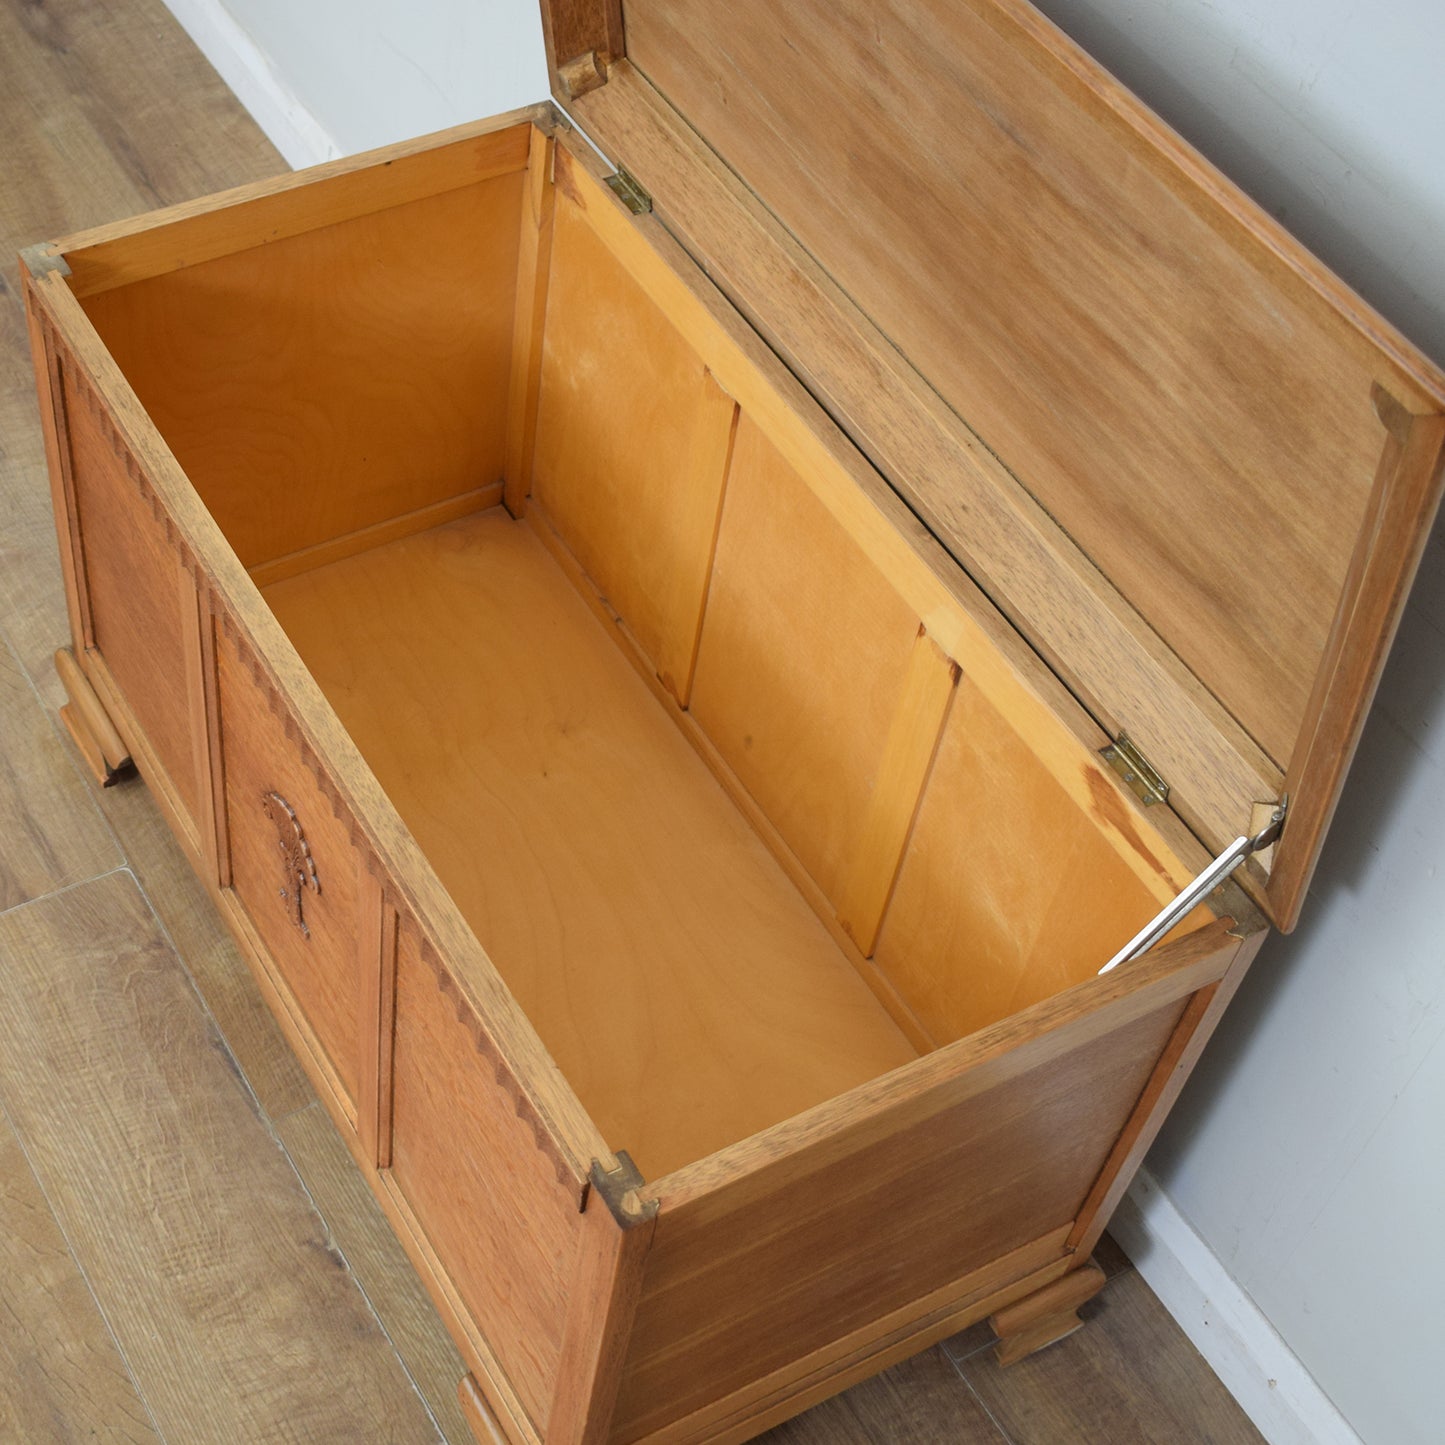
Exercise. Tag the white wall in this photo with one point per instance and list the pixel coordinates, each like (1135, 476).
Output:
(1330, 113)
(331, 77)
(1307, 1150)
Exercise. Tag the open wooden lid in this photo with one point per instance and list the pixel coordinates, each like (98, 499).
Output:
(1192, 468)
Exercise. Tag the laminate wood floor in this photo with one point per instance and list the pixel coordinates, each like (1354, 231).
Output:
(186, 1253)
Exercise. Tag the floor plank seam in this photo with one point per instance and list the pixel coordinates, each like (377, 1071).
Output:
(80, 1268)
(355, 1278)
(70, 888)
(218, 1033)
(985, 1343)
(113, 834)
(232, 1061)
(978, 1399)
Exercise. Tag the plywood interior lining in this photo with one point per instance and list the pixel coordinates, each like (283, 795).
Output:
(686, 989)
(333, 379)
(930, 847)
(688, 993)
(1005, 895)
(633, 434)
(804, 656)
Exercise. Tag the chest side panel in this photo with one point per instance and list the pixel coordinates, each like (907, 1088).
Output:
(135, 587)
(743, 1282)
(476, 1170)
(293, 864)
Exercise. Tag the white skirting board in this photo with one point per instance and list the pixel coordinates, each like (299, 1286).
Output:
(1255, 1365)
(240, 62)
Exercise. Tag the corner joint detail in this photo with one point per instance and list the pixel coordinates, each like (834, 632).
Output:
(43, 259)
(620, 1191)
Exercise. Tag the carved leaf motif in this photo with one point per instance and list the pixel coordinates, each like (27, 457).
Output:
(297, 862)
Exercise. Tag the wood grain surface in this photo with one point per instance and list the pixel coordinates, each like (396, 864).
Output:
(357, 1227)
(687, 991)
(534, 270)
(489, 1202)
(287, 204)
(966, 957)
(959, 618)
(1126, 1376)
(274, 805)
(1037, 577)
(1382, 567)
(89, 136)
(754, 1275)
(633, 439)
(53, 835)
(133, 583)
(441, 1184)
(804, 661)
(172, 1192)
(602, 1305)
(207, 950)
(1117, 656)
(915, 1403)
(577, 27)
(33, 602)
(94, 104)
(983, 147)
(61, 1375)
(314, 733)
(252, 366)
(91, 717)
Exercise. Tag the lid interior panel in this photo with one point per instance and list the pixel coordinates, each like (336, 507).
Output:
(1191, 422)
(1194, 408)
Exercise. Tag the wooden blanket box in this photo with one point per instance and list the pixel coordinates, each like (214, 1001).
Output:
(679, 676)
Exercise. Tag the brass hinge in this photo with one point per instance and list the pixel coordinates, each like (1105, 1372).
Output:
(625, 187)
(1136, 770)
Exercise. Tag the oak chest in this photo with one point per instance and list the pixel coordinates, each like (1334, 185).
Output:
(679, 677)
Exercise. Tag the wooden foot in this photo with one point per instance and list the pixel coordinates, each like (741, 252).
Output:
(1046, 1315)
(89, 725)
